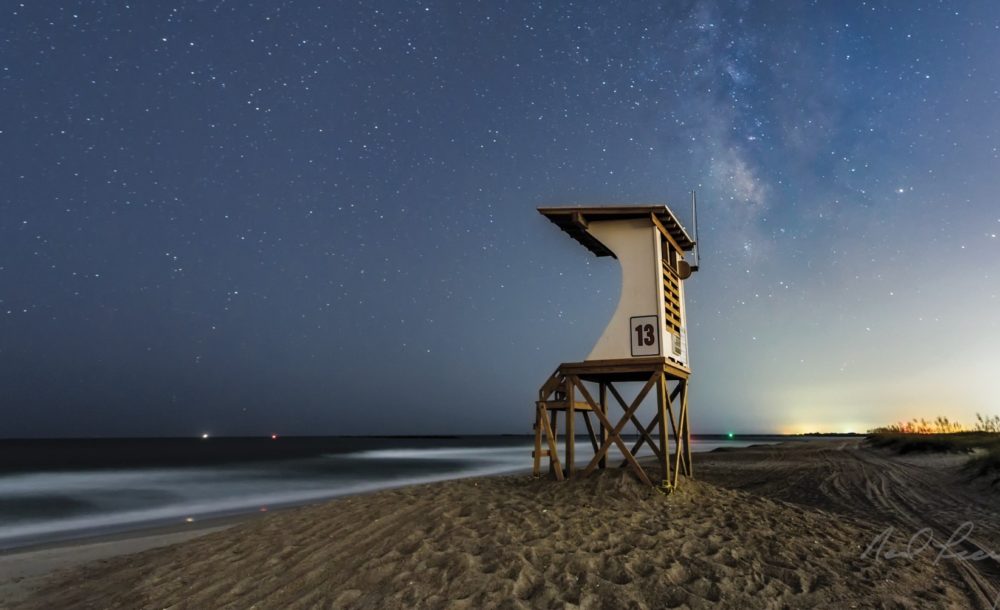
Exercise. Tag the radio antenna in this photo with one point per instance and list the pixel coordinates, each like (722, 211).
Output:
(694, 221)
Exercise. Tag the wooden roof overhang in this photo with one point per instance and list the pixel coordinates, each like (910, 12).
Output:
(575, 219)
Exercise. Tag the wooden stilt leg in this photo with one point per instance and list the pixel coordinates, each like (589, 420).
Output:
(679, 456)
(687, 430)
(539, 415)
(661, 420)
(590, 430)
(675, 428)
(553, 431)
(570, 431)
(554, 465)
(670, 412)
(603, 463)
(681, 436)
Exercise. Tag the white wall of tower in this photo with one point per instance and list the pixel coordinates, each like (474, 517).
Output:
(636, 244)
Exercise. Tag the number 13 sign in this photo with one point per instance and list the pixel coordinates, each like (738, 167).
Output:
(645, 334)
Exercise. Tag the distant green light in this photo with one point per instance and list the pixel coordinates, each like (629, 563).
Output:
(730, 435)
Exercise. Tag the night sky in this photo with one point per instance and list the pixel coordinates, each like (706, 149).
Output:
(319, 218)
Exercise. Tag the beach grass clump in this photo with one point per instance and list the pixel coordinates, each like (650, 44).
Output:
(987, 463)
(955, 442)
(939, 425)
(982, 442)
(939, 435)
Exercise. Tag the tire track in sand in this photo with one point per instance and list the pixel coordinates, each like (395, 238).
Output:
(905, 493)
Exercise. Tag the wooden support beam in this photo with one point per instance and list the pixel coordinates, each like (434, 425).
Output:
(565, 388)
(570, 426)
(553, 431)
(680, 450)
(615, 434)
(551, 385)
(539, 415)
(688, 470)
(553, 454)
(644, 431)
(562, 405)
(639, 367)
(673, 420)
(616, 438)
(590, 430)
(647, 432)
(618, 397)
(681, 436)
(661, 420)
(603, 463)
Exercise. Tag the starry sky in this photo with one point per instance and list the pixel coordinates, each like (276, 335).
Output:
(319, 218)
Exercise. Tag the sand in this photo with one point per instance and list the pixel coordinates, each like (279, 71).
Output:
(23, 571)
(768, 527)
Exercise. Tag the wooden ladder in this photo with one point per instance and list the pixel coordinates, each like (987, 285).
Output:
(552, 392)
(555, 396)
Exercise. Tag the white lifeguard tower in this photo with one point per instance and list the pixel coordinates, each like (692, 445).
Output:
(645, 341)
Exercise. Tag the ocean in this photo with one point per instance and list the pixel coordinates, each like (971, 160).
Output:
(58, 490)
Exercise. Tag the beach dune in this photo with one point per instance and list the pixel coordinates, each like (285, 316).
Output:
(777, 526)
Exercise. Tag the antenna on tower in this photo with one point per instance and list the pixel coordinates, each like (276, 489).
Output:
(694, 221)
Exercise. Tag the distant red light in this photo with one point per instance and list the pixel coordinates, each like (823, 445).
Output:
(274, 437)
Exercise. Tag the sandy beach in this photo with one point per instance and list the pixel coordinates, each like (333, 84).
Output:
(796, 525)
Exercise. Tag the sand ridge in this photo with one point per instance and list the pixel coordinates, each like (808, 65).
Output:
(516, 542)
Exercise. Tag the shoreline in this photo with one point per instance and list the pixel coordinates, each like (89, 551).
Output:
(96, 526)
(24, 568)
(783, 524)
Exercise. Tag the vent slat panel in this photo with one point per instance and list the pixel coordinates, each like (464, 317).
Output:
(671, 295)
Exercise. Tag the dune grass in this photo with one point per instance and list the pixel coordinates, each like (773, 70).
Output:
(952, 442)
(987, 463)
(982, 447)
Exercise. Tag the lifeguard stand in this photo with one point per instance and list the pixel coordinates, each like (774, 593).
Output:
(645, 342)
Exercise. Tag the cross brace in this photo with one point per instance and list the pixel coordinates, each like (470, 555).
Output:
(561, 394)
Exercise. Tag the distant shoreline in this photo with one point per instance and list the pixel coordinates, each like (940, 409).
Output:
(73, 454)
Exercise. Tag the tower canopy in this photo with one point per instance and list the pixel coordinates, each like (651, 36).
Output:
(574, 220)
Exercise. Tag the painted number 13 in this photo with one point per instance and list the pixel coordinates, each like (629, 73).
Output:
(644, 334)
